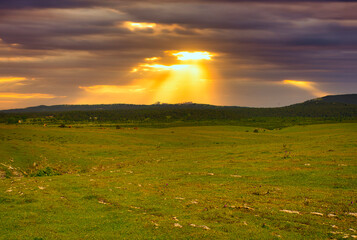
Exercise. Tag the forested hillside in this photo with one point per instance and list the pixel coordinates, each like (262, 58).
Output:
(317, 110)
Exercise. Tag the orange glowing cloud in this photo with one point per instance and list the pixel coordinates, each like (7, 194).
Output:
(25, 95)
(106, 94)
(100, 89)
(17, 59)
(12, 79)
(306, 85)
(139, 25)
(152, 59)
(155, 28)
(184, 56)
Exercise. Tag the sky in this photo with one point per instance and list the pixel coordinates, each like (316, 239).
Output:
(230, 52)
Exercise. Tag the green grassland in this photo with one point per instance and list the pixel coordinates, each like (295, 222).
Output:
(193, 182)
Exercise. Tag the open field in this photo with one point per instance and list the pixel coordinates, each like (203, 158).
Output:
(206, 182)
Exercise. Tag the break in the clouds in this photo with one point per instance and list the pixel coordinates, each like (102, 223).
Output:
(264, 53)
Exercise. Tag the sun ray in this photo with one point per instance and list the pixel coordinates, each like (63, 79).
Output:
(187, 80)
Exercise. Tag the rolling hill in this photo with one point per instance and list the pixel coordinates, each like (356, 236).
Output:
(346, 98)
(338, 108)
(340, 99)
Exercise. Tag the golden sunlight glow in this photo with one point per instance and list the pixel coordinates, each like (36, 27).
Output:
(183, 56)
(12, 79)
(143, 25)
(175, 83)
(152, 59)
(112, 89)
(25, 95)
(139, 25)
(106, 94)
(156, 28)
(188, 84)
(301, 84)
(160, 67)
(308, 86)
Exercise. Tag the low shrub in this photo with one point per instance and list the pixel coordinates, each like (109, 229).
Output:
(48, 171)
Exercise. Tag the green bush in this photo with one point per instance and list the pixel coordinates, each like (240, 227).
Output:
(48, 171)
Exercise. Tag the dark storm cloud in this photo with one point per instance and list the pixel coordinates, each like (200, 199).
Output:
(18, 4)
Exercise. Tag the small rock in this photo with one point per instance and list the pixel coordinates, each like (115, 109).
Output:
(204, 227)
(246, 207)
(352, 214)
(200, 226)
(317, 213)
(102, 202)
(177, 225)
(155, 224)
(289, 211)
(211, 174)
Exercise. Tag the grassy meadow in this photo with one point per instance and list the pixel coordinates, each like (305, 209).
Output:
(193, 182)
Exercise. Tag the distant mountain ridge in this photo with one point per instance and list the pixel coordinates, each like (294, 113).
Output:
(100, 107)
(341, 99)
(345, 98)
(321, 110)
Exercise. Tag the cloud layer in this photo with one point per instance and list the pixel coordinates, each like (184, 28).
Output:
(62, 48)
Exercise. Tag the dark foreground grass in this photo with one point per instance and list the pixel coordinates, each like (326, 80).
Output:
(218, 182)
